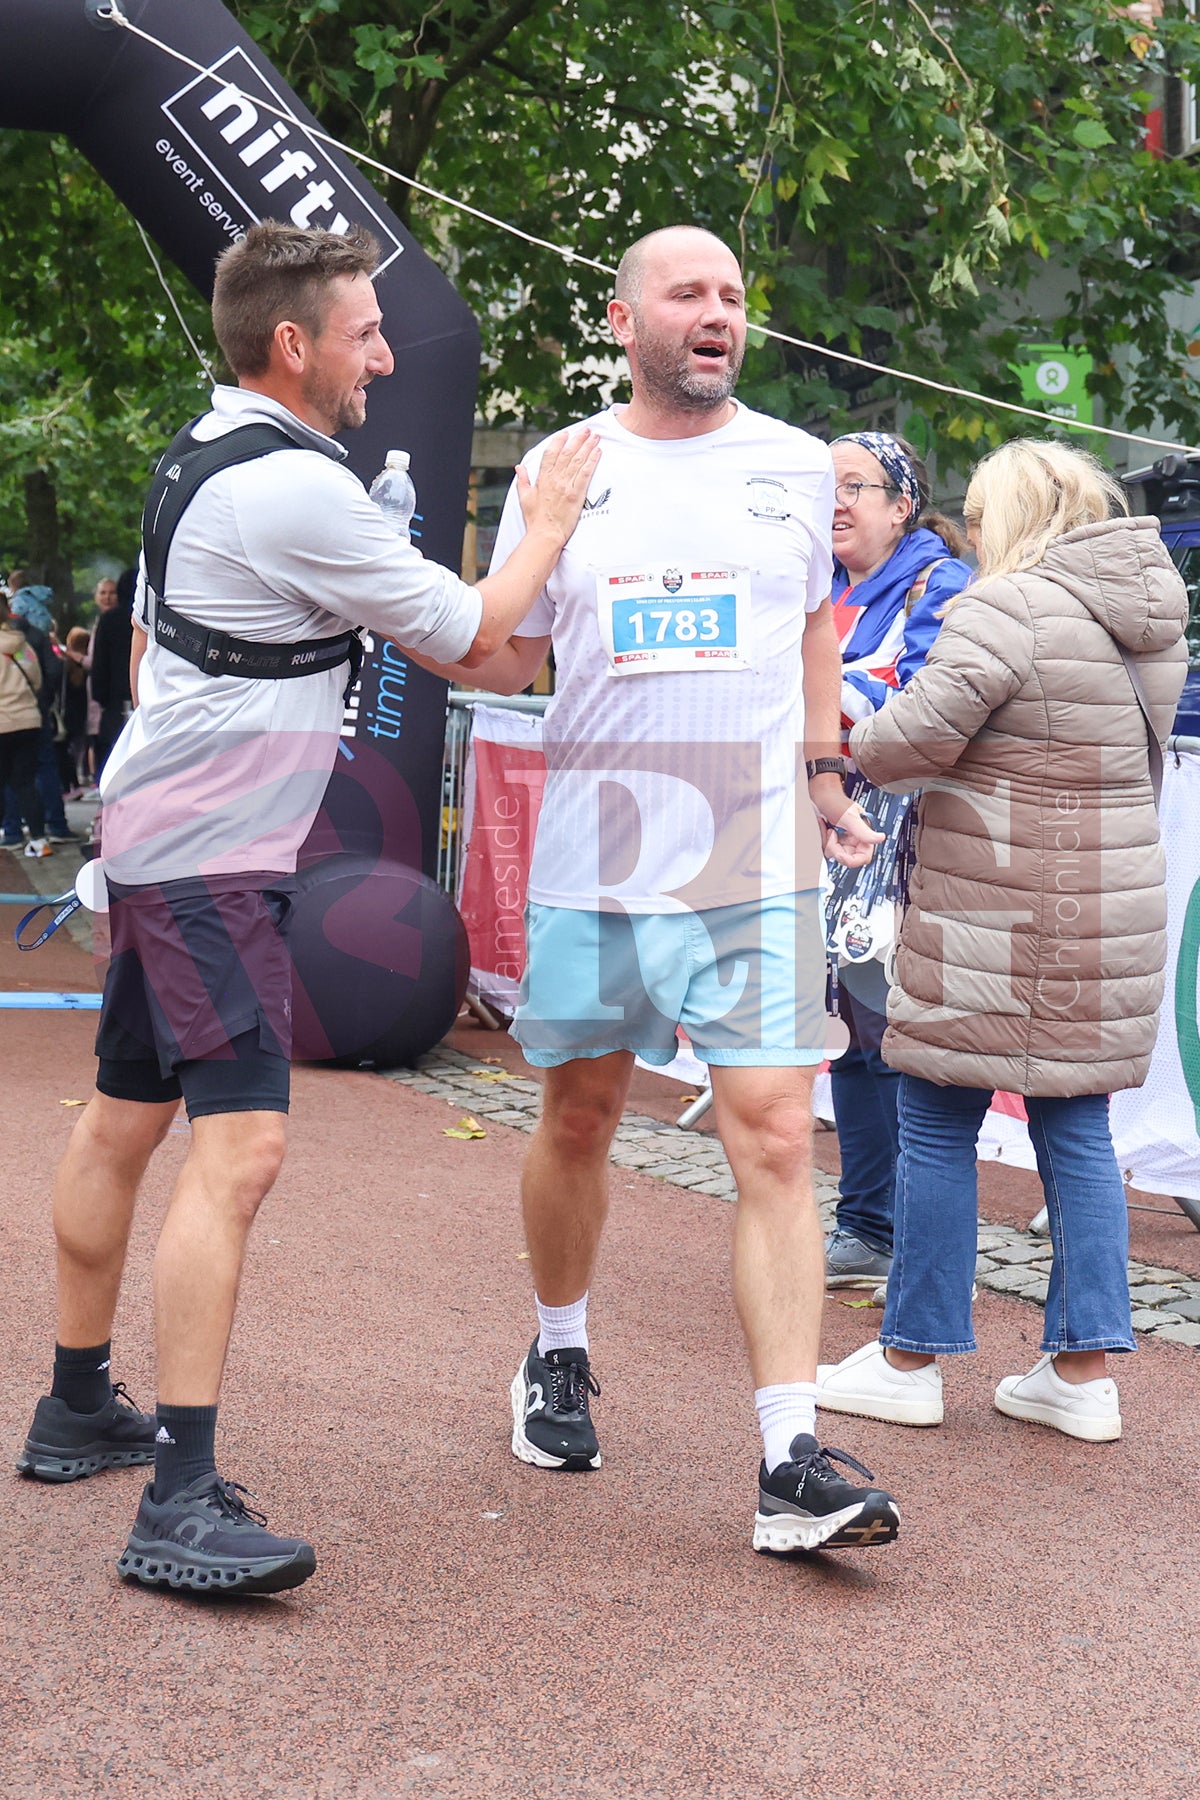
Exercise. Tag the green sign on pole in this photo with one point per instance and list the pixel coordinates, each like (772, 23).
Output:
(1054, 380)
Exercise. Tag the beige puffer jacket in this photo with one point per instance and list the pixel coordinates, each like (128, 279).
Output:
(1032, 952)
(19, 709)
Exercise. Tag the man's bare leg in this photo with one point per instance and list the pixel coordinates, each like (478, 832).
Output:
(564, 1184)
(233, 1163)
(764, 1117)
(95, 1190)
(192, 1528)
(564, 1193)
(81, 1426)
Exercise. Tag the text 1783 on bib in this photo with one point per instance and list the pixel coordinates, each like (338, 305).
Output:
(674, 617)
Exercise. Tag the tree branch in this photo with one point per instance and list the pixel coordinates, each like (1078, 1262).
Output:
(487, 40)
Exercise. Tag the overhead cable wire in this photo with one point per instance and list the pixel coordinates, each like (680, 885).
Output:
(166, 288)
(113, 14)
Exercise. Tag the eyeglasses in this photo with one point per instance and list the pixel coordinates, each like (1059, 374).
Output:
(848, 491)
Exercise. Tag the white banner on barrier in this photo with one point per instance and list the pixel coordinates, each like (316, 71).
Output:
(1156, 1128)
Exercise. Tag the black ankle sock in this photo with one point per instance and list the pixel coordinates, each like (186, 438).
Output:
(81, 1378)
(184, 1447)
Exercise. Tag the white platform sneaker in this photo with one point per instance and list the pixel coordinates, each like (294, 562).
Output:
(1083, 1409)
(866, 1384)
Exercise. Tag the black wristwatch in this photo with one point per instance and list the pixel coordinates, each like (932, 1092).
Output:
(826, 765)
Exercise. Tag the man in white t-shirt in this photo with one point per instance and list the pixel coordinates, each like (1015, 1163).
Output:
(677, 858)
(241, 656)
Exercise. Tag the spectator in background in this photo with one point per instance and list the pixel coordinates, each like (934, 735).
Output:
(75, 699)
(31, 604)
(896, 564)
(1032, 952)
(111, 648)
(104, 597)
(20, 728)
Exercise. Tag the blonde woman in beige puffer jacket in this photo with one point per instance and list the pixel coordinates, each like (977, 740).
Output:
(1031, 956)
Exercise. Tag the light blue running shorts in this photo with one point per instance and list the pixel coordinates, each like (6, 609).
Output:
(746, 982)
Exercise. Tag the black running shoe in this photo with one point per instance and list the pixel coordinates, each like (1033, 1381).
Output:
(207, 1539)
(65, 1446)
(807, 1505)
(552, 1424)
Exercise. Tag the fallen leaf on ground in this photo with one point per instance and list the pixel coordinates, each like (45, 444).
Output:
(491, 1075)
(72, 1103)
(858, 1303)
(467, 1127)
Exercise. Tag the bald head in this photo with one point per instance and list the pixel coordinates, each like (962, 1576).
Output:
(679, 314)
(661, 250)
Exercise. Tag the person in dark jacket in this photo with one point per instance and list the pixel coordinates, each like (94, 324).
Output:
(896, 564)
(110, 667)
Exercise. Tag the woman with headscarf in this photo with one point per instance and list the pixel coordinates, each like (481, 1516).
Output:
(896, 564)
(1032, 952)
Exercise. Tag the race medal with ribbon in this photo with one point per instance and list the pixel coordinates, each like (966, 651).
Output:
(671, 617)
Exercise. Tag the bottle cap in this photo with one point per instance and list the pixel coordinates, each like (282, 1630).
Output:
(396, 459)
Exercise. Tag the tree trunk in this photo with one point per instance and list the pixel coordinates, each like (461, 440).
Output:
(45, 561)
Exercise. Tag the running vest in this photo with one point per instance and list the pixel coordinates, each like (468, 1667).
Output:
(183, 469)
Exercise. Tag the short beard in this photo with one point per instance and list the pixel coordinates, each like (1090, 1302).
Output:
(667, 377)
(340, 413)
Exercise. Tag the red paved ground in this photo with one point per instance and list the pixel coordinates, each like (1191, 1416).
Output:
(480, 1629)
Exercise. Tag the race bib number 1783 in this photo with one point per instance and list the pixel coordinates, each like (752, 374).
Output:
(674, 617)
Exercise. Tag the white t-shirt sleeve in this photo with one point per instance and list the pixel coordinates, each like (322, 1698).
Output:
(539, 620)
(141, 604)
(321, 539)
(820, 568)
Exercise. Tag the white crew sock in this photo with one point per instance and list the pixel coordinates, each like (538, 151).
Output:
(783, 1413)
(562, 1327)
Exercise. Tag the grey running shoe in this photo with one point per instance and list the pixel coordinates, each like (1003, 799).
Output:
(207, 1539)
(807, 1505)
(849, 1263)
(65, 1446)
(552, 1421)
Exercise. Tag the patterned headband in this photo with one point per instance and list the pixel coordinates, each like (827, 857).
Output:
(896, 466)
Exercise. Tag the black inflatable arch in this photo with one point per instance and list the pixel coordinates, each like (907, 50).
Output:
(197, 158)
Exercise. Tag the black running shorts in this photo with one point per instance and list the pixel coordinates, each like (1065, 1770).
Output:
(198, 997)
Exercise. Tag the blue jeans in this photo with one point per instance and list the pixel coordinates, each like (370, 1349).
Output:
(49, 787)
(864, 1093)
(929, 1290)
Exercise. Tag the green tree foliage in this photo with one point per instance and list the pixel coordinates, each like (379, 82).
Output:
(898, 177)
(95, 373)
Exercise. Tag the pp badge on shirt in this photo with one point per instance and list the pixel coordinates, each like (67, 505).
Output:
(672, 616)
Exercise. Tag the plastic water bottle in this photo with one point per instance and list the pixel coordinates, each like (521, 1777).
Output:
(394, 494)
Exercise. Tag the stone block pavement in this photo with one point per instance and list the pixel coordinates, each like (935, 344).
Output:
(1166, 1304)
